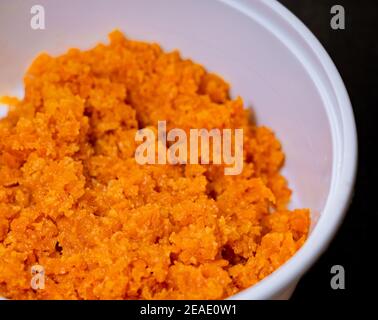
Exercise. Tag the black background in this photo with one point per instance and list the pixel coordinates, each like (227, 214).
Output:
(355, 54)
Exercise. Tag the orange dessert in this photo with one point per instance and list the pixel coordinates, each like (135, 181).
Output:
(74, 200)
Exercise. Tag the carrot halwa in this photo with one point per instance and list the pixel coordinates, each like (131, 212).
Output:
(74, 200)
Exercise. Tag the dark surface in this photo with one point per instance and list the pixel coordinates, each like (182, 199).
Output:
(355, 54)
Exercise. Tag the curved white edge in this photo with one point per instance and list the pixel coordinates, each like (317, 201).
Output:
(345, 167)
(288, 274)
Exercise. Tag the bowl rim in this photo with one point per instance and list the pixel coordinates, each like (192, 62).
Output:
(345, 150)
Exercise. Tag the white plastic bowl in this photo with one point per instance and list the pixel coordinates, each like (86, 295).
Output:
(270, 58)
